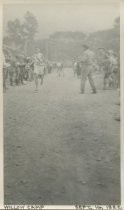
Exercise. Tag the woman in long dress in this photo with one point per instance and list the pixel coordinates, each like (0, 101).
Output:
(38, 67)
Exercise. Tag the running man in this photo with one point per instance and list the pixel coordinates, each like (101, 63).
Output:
(38, 67)
(76, 69)
(60, 69)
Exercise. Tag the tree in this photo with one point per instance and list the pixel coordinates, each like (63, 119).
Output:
(14, 32)
(20, 34)
(30, 26)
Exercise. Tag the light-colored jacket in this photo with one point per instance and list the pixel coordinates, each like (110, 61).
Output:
(87, 58)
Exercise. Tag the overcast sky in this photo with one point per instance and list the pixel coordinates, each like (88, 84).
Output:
(85, 17)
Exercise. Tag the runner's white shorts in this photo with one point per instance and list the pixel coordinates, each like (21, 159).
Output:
(39, 70)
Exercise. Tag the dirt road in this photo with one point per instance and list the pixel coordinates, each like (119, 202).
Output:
(61, 147)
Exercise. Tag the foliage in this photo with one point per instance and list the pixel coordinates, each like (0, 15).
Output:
(66, 46)
(29, 26)
(63, 46)
(68, 35)
(18, 32)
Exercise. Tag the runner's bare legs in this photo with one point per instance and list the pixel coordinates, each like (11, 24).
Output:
(42, 76)
(36, 81)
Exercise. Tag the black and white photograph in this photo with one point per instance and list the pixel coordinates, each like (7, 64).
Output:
(61, 103)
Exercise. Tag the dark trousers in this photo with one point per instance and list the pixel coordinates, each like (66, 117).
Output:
(86, 72)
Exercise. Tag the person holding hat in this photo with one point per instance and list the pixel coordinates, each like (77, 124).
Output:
(87, 60)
